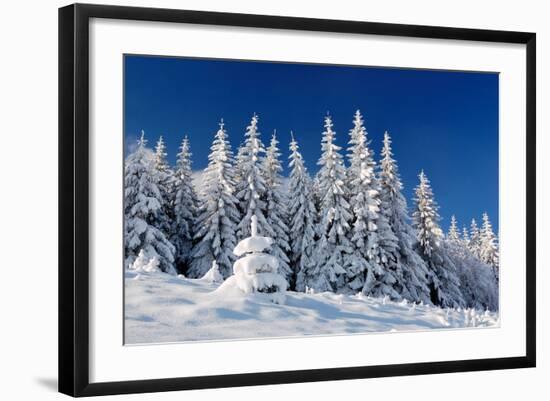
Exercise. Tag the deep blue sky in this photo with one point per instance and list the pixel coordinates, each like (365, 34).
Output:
(444, 122)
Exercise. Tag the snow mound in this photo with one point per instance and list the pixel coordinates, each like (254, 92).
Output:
(163, 308)
(213, 275)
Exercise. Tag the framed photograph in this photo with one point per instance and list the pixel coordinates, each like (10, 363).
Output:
(250, 199)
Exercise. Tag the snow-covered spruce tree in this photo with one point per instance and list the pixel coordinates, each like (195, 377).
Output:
(334, 249)
(185, 207)
(302, 221)
(251, 186)
(453, 235)
(488, 248)
(218, 215)
(142, 205)
(165, 181)
(276, 208)
(444, 282)
(474, 244)
(374, 264)
(413, 284)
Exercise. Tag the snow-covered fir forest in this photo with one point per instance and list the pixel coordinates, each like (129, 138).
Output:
(347, 230)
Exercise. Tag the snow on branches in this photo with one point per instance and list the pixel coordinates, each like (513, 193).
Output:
(185, 207)
(302, 220)
(251, 188)
(334, 249)
(443, 280)
(218, 215)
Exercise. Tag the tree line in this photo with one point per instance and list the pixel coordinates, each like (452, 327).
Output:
(347, 229)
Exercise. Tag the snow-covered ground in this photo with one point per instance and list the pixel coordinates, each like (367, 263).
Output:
(164, 308)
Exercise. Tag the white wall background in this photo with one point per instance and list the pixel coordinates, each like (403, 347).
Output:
(28, 200)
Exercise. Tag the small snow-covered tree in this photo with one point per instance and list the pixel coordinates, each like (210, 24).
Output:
(145, 264)
(185, 207)
(488, 248)
(374, 264)
(142, 204)
(257, 271)
(412, 278)
(475, 239)
(453, 234)
(213, 275)
(218, 216)
(444, 282)
(276, 207)
(165, 181)
(251, 188)
(302, 222)
(334, 248)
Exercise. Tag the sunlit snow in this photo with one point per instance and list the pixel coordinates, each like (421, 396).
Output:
(165, 308)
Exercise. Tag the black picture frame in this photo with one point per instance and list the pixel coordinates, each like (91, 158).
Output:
(74, 201)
